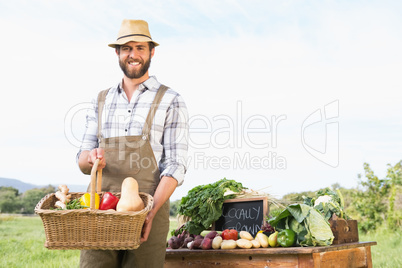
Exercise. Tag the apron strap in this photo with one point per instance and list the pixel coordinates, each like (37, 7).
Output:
(152, 111)
(101, 103)
(148, 122)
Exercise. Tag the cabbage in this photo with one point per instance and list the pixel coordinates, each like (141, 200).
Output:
(311, 227)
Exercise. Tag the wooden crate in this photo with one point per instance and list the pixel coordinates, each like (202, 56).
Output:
(345, 231)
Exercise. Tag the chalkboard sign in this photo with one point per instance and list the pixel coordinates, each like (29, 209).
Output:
(246, 214)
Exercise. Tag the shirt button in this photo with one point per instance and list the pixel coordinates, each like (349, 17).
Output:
(129, 111)
(126, 130)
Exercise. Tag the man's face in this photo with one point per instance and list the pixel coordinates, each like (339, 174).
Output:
(135, 59)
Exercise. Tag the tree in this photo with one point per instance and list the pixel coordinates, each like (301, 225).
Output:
(31, 197)
(370, 200)
(348, 201)
(296, 197)
(9, 201)
(173, 208)
(395, 179)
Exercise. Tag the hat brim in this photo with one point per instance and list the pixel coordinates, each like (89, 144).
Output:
(125, 40)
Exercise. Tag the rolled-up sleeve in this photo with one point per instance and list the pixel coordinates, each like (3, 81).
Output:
(90, 139)
(175, 141)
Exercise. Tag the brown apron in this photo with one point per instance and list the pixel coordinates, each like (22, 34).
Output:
(132, 156)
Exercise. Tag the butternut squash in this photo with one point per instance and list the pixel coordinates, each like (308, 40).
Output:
(129, 198)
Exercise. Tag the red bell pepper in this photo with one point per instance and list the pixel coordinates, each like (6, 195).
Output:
(109, 201)
(229, 234)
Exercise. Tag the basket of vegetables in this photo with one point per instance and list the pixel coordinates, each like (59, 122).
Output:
(88, 220)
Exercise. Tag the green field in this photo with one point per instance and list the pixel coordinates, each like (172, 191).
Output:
(21, 245)
(22, 239)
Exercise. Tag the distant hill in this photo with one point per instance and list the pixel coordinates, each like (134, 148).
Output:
(23, 186)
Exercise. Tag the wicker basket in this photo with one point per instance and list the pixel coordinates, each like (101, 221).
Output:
(92, 228)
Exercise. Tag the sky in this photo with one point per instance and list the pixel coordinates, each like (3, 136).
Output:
(283, 96)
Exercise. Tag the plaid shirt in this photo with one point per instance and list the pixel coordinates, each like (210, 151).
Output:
(169, 133)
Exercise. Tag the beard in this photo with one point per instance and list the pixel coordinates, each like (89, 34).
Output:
(135, 74)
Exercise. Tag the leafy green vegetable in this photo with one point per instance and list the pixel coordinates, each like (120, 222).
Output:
(203, 204)
(311, 227)
(328, 202)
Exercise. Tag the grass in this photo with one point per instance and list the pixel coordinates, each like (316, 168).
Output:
(387, 252)
(22, 239)
(21, 245)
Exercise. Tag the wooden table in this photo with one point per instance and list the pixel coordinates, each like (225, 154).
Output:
(356, 254)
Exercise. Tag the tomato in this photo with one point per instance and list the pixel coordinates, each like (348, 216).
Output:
(229, 234)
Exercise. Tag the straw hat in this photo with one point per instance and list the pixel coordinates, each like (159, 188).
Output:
(133, 30)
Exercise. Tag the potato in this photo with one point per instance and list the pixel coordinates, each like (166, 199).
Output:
(244, 243)
(246, 235)
(255, 243)
(263, 239)
(228, 244)
(216, 243)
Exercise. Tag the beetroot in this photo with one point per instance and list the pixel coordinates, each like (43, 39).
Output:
(198, 237)
(196, 243)
(186, 241)
(174, 242)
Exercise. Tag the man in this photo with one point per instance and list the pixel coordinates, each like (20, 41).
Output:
(139, 129)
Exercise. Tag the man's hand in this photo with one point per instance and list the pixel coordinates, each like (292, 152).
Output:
(87, 160)
(166, 187)
(97, 153)
(146, 229)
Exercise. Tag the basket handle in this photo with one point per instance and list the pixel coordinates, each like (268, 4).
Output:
(96, 179)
